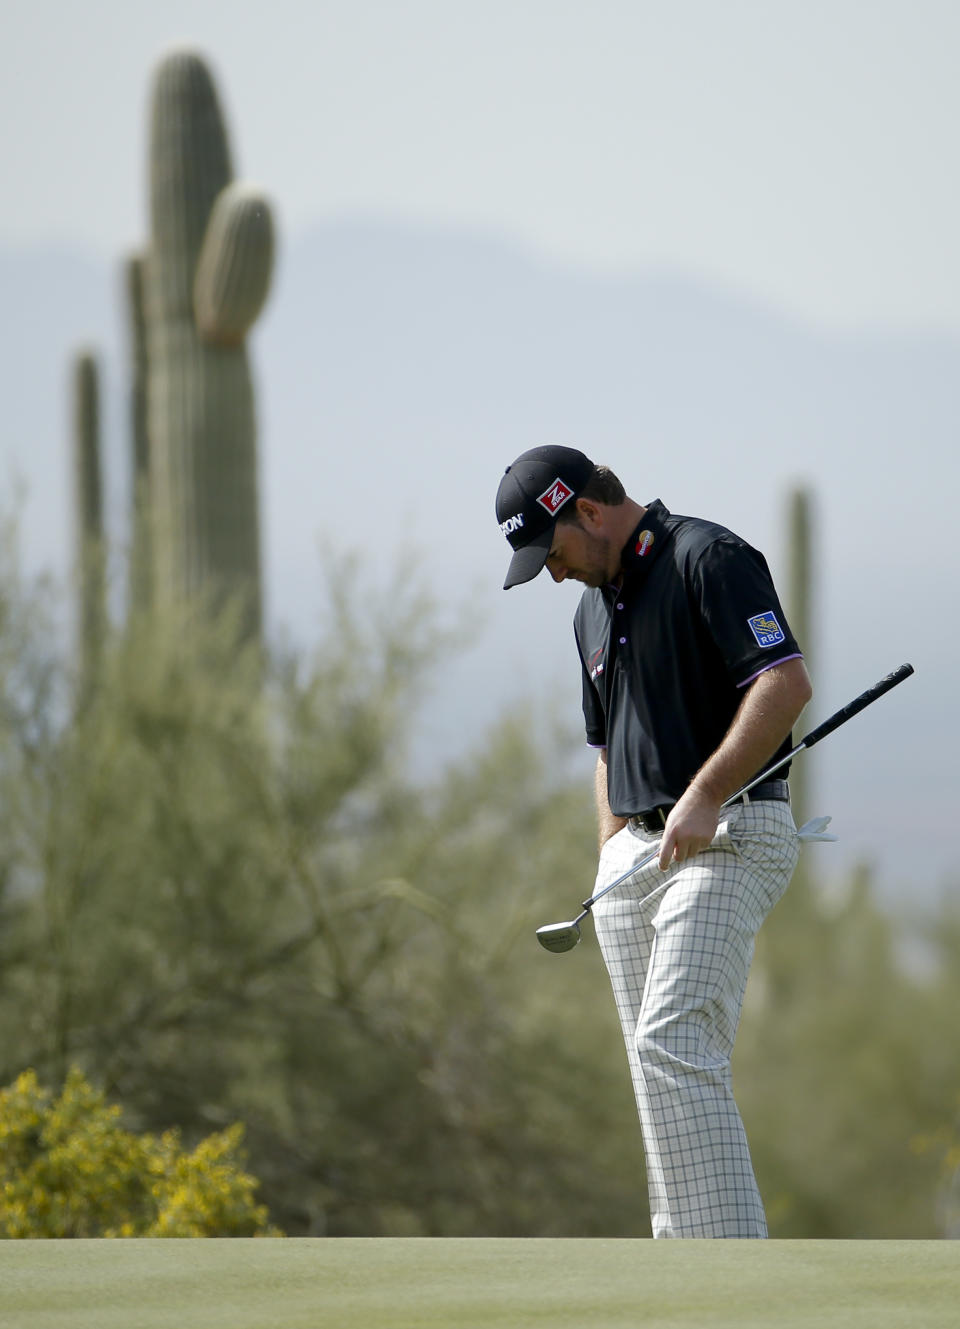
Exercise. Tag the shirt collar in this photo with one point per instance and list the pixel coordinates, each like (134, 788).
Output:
(645, 543)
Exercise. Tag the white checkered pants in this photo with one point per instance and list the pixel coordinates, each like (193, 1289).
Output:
(678, 946)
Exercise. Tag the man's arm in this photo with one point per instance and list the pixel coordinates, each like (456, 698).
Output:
(769, 710)
(607, 823)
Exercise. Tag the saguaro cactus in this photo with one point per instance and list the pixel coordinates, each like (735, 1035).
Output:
(139, 573)
(800, 616)
(88, 514)
(208, 272)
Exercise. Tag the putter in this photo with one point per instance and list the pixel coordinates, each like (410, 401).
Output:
(559, 937)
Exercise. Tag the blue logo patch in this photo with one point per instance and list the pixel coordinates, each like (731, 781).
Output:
(766, 629)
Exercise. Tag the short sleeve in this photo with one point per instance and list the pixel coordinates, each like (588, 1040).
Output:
(741, 610)
(594, 717)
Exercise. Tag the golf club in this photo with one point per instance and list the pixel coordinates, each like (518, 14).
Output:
(559, 937)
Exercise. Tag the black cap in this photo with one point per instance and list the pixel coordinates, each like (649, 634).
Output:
(532, 492)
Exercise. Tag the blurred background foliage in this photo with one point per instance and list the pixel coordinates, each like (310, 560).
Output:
(223, 900)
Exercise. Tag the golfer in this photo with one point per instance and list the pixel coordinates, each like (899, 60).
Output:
(692, 682)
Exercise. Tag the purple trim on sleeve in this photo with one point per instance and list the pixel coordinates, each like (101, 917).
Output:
(600, 747)
(797, 655)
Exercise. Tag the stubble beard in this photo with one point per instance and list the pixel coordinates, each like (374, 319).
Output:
(596, 573)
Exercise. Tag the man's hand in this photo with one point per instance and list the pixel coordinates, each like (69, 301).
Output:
(769, 709)
(690, 827)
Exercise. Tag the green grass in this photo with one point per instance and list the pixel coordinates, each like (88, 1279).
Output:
(496, 1284)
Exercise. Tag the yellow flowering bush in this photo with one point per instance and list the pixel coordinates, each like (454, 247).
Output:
(68, 1168)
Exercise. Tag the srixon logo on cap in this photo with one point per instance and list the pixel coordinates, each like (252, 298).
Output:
(554, 496)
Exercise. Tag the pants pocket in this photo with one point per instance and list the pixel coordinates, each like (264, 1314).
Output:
(764, 838)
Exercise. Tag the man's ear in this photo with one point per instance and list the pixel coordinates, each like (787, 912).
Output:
(590, 514)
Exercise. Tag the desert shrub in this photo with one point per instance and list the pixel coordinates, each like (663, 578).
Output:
(68, 1168)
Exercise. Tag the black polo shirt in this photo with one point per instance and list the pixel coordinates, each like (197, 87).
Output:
(667, 655)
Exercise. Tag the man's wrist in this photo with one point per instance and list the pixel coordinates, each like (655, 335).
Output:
(706, 792)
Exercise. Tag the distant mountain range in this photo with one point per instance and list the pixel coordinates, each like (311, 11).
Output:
(400, 369)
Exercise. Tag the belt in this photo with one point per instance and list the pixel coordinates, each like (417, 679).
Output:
(654, 819)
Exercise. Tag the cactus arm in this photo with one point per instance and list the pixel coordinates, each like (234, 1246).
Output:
(235, 265)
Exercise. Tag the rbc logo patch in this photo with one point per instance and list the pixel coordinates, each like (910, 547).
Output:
(766, 629)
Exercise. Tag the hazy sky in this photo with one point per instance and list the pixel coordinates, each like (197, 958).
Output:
(802, 151)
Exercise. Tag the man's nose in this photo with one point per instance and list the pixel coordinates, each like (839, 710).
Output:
(557, 573)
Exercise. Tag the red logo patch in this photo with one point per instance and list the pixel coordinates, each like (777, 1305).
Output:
(644, 543)
(554, 496)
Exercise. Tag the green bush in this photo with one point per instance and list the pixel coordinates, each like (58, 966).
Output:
(68, 1168)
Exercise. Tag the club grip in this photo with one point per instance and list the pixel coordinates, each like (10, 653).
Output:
(858, 704)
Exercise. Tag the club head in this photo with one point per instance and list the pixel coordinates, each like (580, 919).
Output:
(559, 937)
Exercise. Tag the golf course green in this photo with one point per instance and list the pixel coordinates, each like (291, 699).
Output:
(458, 1284)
